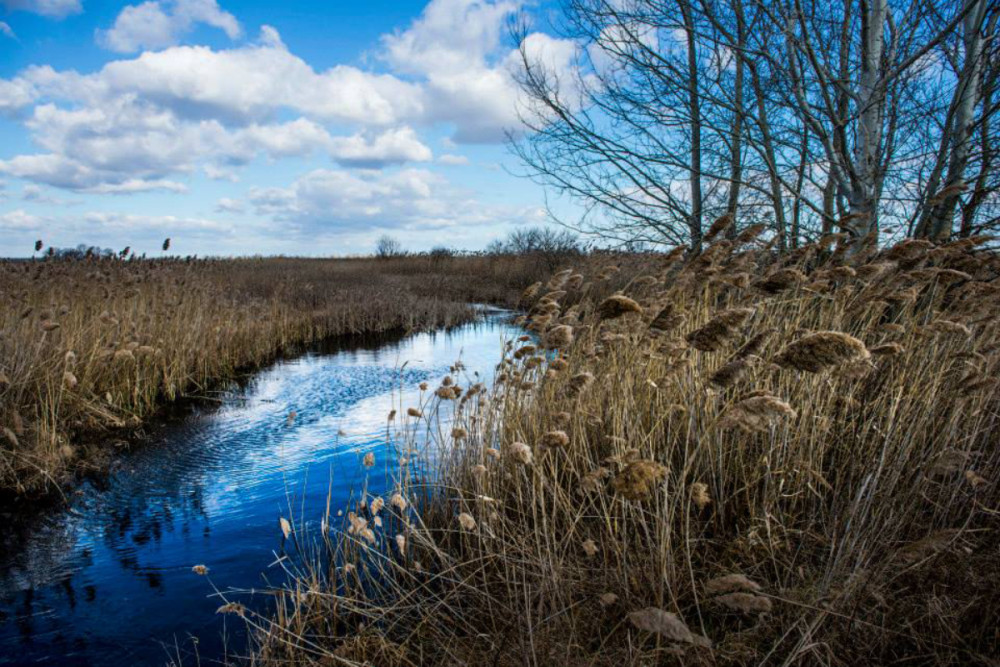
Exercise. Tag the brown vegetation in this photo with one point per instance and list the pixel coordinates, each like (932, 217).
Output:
(824, 506)
(92, 345)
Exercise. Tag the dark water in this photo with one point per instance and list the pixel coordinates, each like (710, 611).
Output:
(109, 582)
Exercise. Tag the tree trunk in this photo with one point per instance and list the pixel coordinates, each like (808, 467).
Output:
(968, 85)
(694, 108)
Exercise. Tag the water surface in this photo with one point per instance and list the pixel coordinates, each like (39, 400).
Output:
(108, 580)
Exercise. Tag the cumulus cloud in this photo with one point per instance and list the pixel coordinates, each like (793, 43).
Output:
(20, 220)
(55, 9)
(228, 205)
(412, 198)
(157, 24)
(138, 122)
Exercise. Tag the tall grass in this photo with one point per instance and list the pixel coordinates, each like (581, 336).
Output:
(90, 346)
(734, 459)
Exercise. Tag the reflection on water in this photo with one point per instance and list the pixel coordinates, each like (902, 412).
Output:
(108, 581)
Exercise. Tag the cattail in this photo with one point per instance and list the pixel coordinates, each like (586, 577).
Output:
(950, 327)
(824, 349)
(638, 479)
(780, 280)
(559, 279)
(531, 292)
(478, 470)
(423, 386)
(699, 495)
(414, 412)
(754, 345)
(750, 234)
(886, 350)
(466, 521)
(756, 414)
(69, 380)
(667, 624)
(200, 570)
(39, 245)
(974, 479)
(446, 393)
(589, 548)
(376, 505)
(730, 583)
(521, 453)
(232, 608)
(459, 433)
(607, 272)
(951, 190)
(667, 319)
(607, 599)
(398, 501)
(559, 337)
(720, 225)
(493, 452)
(746, 603)
(617, 305)
(286, 527)
(579, 382)
(719, 329)
(555, 439)
(731, 372)
(401, 544)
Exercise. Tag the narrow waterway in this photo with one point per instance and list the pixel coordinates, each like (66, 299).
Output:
(108, 581)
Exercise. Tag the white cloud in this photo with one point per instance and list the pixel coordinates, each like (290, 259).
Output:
(456, 48)
(416, 199)
(55, 9)
(158, 24)
(20, 220)
(227, 205)
(6, 30)
(38, 195)
(390, 147)
(453, 160)
(138, 122)
(111, 221)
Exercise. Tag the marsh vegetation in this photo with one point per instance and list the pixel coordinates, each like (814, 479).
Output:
(730, 457)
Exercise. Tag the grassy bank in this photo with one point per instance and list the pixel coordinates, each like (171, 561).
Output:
(732, 459)
(91, 346)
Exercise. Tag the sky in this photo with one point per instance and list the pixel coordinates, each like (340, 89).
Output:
(261, 127)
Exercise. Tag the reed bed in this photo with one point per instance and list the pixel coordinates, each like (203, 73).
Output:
(93, 346)
(735, 458)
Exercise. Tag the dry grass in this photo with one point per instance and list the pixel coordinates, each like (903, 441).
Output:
(823, 507)
(92, 345)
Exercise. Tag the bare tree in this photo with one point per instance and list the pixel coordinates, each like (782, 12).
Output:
(811, 115)
(388, 246)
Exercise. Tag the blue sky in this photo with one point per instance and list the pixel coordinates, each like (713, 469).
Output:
(305, 128)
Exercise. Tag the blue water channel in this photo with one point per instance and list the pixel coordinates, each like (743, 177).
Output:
(108, 580)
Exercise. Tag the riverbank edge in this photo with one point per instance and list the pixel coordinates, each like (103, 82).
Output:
(104, 446)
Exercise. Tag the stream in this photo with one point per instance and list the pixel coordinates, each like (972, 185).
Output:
(107, 580)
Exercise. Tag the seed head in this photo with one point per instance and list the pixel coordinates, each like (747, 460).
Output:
(638, 479)
(719, 329)
(617, 305)
(821, 350)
